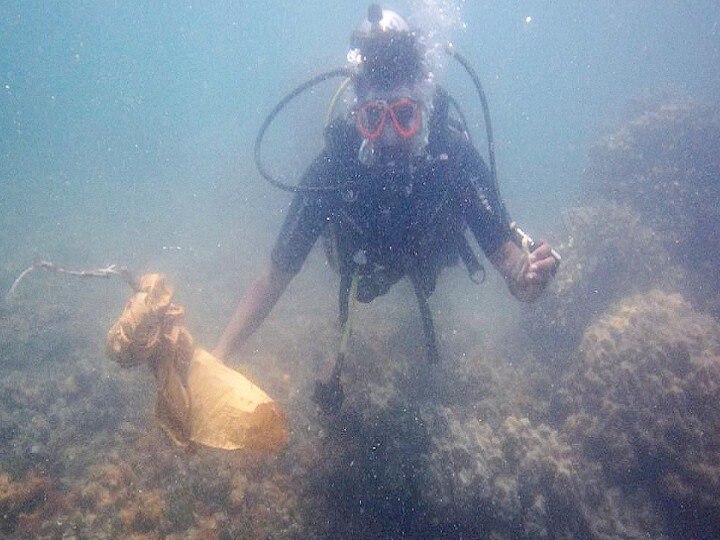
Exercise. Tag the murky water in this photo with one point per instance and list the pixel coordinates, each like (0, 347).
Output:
(126, 137)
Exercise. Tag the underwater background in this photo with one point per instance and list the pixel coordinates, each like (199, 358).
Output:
(126, 137)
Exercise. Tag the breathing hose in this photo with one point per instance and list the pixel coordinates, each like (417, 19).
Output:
(338, 72)
(349, 74)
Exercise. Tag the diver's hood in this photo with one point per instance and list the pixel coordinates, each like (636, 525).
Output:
(385, 52)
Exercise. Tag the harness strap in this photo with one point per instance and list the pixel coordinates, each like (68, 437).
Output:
(427, 321)
(329, 394)
(344, 297)
(346, 326)
(348, 291)
(476, 271)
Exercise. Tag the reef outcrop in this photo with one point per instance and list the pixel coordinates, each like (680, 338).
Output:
(514, 481)
(649, 217)
(642, 402)
(608, 253)
(666, 165)
(457, 450)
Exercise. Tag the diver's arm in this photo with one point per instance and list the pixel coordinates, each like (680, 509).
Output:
(303, 223)
(254, 307)
(526, 275)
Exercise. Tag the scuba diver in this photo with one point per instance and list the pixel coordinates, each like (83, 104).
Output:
(393, 192)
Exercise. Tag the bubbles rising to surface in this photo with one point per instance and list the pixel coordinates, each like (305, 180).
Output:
(438, 21)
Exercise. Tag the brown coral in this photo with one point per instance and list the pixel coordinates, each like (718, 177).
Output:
(144, 512)
(649, 217)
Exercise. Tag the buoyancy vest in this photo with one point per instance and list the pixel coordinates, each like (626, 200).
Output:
(391, 221)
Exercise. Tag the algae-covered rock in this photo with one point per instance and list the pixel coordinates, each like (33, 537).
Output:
(649, 217)
(18, 498)
(409, 457)
(523, 479)
(608, 253)
(643, 402)
(387, 461)
(666, 165)
(515, 481)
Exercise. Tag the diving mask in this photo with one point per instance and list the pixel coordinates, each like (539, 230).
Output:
(392, 127)
(405, 114)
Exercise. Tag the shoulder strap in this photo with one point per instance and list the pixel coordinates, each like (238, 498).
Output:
(342, 139)
(438, 125)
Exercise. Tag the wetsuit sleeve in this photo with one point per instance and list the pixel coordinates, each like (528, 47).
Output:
(483, 208)
(305, 220)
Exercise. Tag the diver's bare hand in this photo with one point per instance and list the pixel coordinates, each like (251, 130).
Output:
(534, 272)
(541, 266)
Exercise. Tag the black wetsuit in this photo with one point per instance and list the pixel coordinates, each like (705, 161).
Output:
(388, 222)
